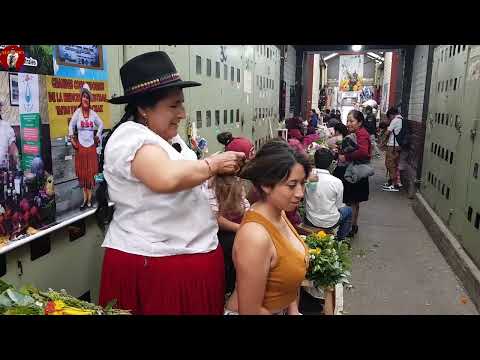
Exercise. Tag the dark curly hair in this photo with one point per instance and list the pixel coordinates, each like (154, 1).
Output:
(273, 164)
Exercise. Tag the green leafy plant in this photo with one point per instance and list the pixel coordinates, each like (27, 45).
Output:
(329, 260)
(30, 301)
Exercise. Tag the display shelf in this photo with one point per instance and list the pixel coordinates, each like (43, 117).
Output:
(60, 223)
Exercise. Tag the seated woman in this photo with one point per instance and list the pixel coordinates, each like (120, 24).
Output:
(269, 256)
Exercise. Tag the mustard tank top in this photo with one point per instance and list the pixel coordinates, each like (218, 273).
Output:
(285, 278)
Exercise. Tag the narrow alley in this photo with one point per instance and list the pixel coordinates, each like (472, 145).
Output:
(397, 268)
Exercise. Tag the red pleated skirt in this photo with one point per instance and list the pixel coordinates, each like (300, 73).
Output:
(86, 165)
(169, 285)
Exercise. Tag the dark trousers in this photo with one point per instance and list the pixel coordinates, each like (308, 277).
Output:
(226, 239)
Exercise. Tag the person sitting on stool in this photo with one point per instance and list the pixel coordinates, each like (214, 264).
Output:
(324, 207)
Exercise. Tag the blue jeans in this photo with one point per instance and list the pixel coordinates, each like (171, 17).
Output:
(345, 222)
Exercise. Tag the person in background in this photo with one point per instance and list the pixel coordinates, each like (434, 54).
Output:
(84, 121)
(358, 192)
(313, 119)
(324, 207)
(238, 144)
(371, 127)
(333, 120)
(338, 115)
(326, 117)
(340, 132)
(228, 199)
(270, 258)
(295, 126)
(393, 149)
(8, 146)
(162, 254)
(227, 196)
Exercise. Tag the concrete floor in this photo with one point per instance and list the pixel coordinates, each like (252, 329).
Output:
(397, 268)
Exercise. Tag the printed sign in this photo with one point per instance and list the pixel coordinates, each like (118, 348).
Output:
(64, 99)
(28, 93)
(34, 59)
(30, 134)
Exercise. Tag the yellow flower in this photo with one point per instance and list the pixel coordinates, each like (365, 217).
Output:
(321, 233)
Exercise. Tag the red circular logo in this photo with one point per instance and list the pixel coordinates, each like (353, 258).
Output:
(12, 58)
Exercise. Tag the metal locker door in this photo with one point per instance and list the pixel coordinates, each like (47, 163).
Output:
(468, 207)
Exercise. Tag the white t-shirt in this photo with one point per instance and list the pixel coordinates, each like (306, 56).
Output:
(395, 127)
(323, 199)
(7, 137)
(148, 223)
(85, 126)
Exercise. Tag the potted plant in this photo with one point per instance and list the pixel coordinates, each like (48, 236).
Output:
(329, 265)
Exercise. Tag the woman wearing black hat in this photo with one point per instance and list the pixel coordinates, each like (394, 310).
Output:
(162, 253)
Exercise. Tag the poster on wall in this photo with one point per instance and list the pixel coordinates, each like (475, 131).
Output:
(29, 111)
(79, 114)
(80, 61)
(33, 59)
(384, 102)
(27, 196)
(13, 88)
(351, 73)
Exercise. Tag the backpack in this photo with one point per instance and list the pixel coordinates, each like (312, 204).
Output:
(403, 137)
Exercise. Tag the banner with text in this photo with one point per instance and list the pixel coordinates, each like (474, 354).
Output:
(64, 99)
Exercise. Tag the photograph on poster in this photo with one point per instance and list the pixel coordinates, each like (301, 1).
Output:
(27, 196)
(86, 56)
(13, 86)
(79, 116)
(80, 61)
(33, 59)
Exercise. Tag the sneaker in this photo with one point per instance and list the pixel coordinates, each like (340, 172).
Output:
(391, 188)
(386, 185)
(84, 206)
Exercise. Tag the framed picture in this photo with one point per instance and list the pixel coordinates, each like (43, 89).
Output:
(84, 56)
(13, 82)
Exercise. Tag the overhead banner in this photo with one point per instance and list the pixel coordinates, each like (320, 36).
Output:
(64, 99)
(351, 73)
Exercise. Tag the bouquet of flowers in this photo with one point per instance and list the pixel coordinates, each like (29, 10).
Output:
(330, 260)
(31, 301)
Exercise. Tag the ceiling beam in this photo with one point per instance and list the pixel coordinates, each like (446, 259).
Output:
(340, 48)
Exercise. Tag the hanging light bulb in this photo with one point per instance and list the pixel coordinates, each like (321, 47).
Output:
(356, 47)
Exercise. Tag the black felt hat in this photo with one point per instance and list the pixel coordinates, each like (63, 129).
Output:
(146, 73)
